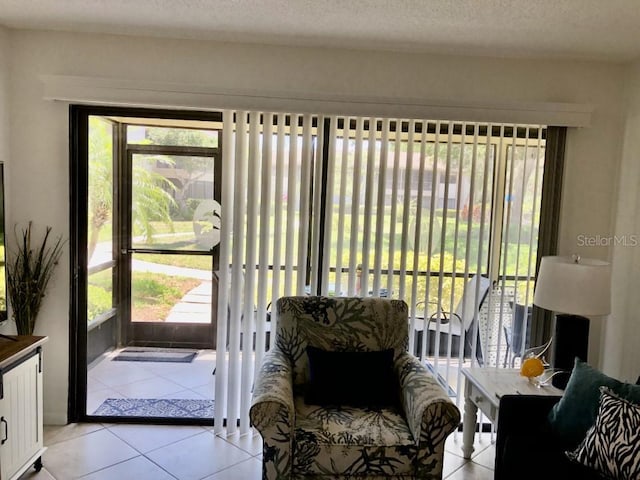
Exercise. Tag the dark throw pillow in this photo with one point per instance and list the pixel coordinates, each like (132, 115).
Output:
(357, 379)
(612, 445)
(576, 411)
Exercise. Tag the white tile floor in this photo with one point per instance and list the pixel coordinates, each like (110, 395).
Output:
(154, 452)
(116, 379)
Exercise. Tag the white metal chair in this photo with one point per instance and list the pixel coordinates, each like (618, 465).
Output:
(463, 319)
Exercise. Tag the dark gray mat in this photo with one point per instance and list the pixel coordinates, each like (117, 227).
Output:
(135, 354)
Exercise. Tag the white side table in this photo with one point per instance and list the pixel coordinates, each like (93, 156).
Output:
(483, 389)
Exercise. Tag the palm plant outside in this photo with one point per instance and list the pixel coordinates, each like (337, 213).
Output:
(158, 208)
(152, 199)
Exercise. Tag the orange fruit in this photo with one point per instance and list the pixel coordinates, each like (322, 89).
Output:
(532, 367)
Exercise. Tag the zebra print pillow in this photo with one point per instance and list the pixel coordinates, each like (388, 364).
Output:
(612, 445)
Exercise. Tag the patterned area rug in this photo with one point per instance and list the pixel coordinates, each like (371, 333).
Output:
(156, 407)
(141, 354)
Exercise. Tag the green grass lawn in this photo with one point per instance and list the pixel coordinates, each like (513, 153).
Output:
(179, 237)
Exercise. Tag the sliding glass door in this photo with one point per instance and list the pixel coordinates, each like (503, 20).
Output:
(147, 214)
(443, 215)
(204, 233)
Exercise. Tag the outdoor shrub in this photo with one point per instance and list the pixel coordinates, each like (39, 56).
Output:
(98, 301)
(149, 287)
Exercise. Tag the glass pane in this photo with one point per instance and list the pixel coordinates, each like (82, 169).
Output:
(99, 248)
(522, 210)
(461, 228)
(173, 203)
(184, 137)
(171, 288)
(3, 259)
(99, 293)
(3, 298)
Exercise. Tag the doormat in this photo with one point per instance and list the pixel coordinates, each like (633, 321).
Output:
(156, 407)
(139, 354)
(441, 380)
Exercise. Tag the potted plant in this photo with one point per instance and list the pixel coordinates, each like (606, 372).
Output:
(28, 274)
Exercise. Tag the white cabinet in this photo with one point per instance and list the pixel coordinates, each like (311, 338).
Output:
(21, 443)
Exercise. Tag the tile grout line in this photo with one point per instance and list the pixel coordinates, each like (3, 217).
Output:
(227, 468)
(240, 448)
(50, 443)
(161, 446)
(124, 461)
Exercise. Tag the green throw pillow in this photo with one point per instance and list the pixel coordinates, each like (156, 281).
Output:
(576, 411)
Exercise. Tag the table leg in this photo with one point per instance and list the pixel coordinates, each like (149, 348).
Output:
(469, 426)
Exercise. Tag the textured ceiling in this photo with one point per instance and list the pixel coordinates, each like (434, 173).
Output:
(581, 29)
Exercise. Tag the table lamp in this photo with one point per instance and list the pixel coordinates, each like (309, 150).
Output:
(572, 287)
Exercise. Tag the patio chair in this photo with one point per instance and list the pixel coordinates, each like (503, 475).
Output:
(338, 396)
(465, 318)
(521, 319)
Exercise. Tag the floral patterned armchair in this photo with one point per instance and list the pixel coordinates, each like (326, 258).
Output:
(310, 441)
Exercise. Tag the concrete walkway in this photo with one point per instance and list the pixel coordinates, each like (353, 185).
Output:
(194, 307)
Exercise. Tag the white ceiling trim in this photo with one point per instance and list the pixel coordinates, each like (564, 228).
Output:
(131, 93)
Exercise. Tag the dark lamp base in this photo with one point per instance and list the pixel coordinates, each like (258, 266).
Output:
(571, 340)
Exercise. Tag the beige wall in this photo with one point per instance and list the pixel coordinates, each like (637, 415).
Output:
(621, 343)
(39, 128)
(4, 94)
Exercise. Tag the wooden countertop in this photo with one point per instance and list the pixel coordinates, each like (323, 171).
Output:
(10, 350)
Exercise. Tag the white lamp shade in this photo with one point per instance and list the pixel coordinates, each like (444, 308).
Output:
(577, 288)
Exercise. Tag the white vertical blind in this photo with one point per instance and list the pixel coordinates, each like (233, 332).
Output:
(408, 173)
(237, 273)
(368, 206)
(429, 204)
(265, 235)
(380, 224)
(292, 204)
(248, 317)
(265, 227)
(394, 199)
(411, 209)
(417, 234)
(224, 278)
(305, 195)
(535, 207)
(354, 246)
(277, 222)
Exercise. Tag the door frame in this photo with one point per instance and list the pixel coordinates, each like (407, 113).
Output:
(162, 334)
(78, 238)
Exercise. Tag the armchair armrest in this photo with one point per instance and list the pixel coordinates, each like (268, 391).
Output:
(272, 413)
(273, 391)
(426, 405)
(430, 414)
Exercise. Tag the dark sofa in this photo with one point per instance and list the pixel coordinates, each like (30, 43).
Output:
(526, 448)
